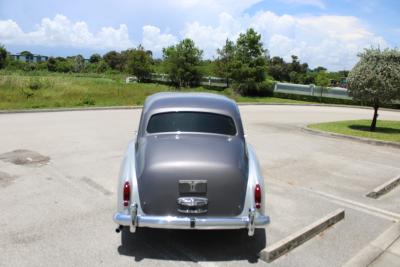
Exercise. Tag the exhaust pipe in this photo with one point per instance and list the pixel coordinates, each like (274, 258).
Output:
(119, 229)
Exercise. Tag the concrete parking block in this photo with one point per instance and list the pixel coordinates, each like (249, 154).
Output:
(384, 188)
(287, 244)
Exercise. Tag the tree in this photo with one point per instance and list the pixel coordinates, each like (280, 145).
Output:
(95, 58)
(115, 60)
(64, 64)
(79, 63)
(3, 56)
(52, 64)
(322, 79)
(182, 61)
(297, 70)
(319, 68)
(139, 63)
(278, 69)
(295, 65)
(225, 61)
(102, 67)
(26, 53)
(375, 79)
(249, 69)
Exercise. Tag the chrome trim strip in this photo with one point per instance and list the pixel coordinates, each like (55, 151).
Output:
(189, 211)
(172, 222)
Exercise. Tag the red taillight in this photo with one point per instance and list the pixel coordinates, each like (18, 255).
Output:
(257, 196)
(127, 193)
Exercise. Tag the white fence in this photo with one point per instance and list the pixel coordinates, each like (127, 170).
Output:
(312, 90)
(161, 77)
(214, 81)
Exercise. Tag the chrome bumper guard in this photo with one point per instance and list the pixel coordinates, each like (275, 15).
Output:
(134, 220)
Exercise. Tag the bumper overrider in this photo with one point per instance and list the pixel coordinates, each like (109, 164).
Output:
(134, 220)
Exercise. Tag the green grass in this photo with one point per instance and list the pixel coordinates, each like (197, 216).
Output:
(385, 130)
(51, 90)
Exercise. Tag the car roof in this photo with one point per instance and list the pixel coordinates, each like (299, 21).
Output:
(198, 102)
(190, 100)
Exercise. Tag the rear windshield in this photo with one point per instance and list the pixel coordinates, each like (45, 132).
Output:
(191, 122)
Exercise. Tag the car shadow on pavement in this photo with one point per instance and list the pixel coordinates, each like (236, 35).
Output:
(194, 246)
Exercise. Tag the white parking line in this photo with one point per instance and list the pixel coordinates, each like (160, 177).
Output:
(359, 206)
(388, 215)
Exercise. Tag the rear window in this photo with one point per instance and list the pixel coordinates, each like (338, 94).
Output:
(191, 122)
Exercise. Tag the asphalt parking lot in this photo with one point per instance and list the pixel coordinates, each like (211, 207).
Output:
(58, 191)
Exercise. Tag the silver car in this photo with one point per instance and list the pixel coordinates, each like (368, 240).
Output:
(190, 167)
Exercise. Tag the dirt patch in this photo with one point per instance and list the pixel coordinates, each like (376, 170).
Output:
(6, 179)
(25, 157)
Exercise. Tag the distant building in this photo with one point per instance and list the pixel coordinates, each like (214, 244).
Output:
(30, 58)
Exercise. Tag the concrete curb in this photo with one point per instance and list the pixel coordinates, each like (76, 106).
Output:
(314, 105)
(374, 249)
(285, 245)
(352, 138)
(11, 111)
(309, 104)
(384, 188)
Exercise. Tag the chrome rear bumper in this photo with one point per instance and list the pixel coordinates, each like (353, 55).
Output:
(202, 223)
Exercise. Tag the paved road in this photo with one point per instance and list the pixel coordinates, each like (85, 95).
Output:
(58, 192)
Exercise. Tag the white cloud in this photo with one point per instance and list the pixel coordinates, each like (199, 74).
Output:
(10, 32)
(209, 38)
(154, 40)
(316, 3)
(331, 41)
(60, 31)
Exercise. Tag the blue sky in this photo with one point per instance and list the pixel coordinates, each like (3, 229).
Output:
(321, 32)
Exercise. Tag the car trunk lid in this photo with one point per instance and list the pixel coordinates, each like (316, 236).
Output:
(195, 167)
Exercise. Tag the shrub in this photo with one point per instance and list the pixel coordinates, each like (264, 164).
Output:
(88, 100)
(29, 66)
(266, 88)
(35, 84)
(28, 93)
(251, 88)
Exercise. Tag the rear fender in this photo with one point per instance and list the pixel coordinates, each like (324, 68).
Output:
(128, 173)
(255, 177)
